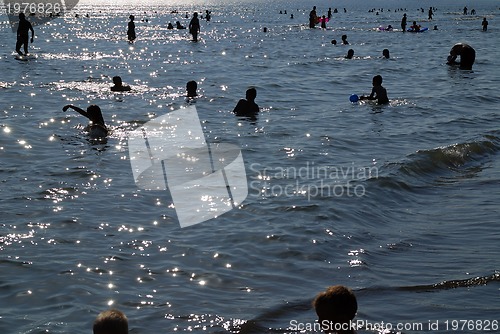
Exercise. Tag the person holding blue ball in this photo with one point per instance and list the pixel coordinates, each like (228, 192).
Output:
(378, 93)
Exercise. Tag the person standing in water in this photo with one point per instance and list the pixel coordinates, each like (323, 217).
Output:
(23, 34)
(403, 23)
(131, 29)
(247, 107)
(312, 18)
(194, 27)
(485, 24)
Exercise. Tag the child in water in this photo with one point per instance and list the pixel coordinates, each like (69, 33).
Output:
(379, 93)
(247, 107)
(118, 85)
(415, 27)
(97, 128)
(350, 54)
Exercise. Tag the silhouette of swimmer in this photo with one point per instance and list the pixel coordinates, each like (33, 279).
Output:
(247, 107)
(378, 93)
(350, 54)
(467, 56)
(131, 29)
(97, 128)
(118, 85)
(170, 26)
(111, 322)
(191, 88)
(336, 308)
(194, 27)
(385, 53)
(334, 41)
(178, 25)
(23, 34)
(344, 40)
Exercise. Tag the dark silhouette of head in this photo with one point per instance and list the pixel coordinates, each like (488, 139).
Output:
(385, 53)
(251, 94)
(377, 80)
(336, 305)
(111, 322)
(95, 114)
(131, 17)
(350, 54)
(117, 81)
(191, 88)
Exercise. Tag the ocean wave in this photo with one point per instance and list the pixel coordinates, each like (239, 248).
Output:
(441, 165)
(453, 284)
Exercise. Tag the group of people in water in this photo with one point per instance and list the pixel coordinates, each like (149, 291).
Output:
(245, 107)
(336, 308)
(194, 27)
(97, 128)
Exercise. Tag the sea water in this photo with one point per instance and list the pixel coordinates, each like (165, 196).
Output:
(398, 202)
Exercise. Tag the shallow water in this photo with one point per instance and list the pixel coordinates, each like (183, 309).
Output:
(399, 202)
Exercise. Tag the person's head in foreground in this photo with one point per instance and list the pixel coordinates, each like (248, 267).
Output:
(251, 94)
(336, 308)
(111, 322)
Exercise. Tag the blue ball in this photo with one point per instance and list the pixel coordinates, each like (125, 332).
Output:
(354, 98)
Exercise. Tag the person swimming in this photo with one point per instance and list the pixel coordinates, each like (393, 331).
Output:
(118, 85)
(385, 53)
(97, 128)
(350, 54)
